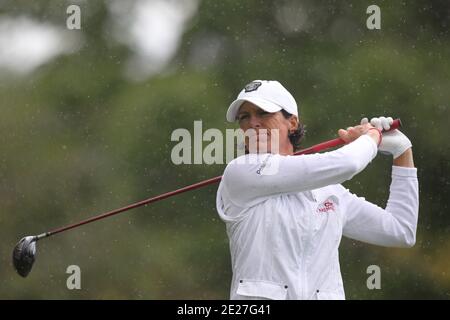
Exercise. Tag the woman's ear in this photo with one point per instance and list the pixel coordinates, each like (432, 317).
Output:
(293, 124)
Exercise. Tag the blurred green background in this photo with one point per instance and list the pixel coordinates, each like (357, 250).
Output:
(86, 118)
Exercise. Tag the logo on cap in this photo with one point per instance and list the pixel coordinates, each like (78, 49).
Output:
(252, 86)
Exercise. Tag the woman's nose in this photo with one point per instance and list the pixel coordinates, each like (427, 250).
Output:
(255, 122)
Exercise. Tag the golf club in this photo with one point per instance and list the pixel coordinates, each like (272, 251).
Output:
(24, 252)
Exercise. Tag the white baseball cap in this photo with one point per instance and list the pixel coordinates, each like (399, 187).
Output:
(269, 95)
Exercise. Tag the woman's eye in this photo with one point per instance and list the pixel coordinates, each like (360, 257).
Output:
(243, 117)
(264, 113)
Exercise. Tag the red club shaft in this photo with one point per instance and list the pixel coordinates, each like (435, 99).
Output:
(316, 148)
(338, 141)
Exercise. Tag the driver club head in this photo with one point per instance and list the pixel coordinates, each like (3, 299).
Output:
(24, 255)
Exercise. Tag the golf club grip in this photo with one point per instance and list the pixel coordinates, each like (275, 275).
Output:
(319, 147)
(338, 141)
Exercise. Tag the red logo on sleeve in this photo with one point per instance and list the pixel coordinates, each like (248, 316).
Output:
(328, 205)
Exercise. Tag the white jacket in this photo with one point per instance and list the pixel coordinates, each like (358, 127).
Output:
(285, 216)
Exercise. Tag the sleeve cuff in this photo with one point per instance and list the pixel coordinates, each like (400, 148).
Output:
(372, 143)
(404, 171)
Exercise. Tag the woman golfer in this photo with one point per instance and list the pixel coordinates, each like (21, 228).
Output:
(285, 215)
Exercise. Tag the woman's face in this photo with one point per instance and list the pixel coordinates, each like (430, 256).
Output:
(252, 117)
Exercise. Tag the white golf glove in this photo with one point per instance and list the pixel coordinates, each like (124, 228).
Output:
(393, 142)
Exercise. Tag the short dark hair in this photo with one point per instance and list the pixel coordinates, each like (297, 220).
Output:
(295, 137)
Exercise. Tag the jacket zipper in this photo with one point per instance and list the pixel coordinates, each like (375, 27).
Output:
(306, 247)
